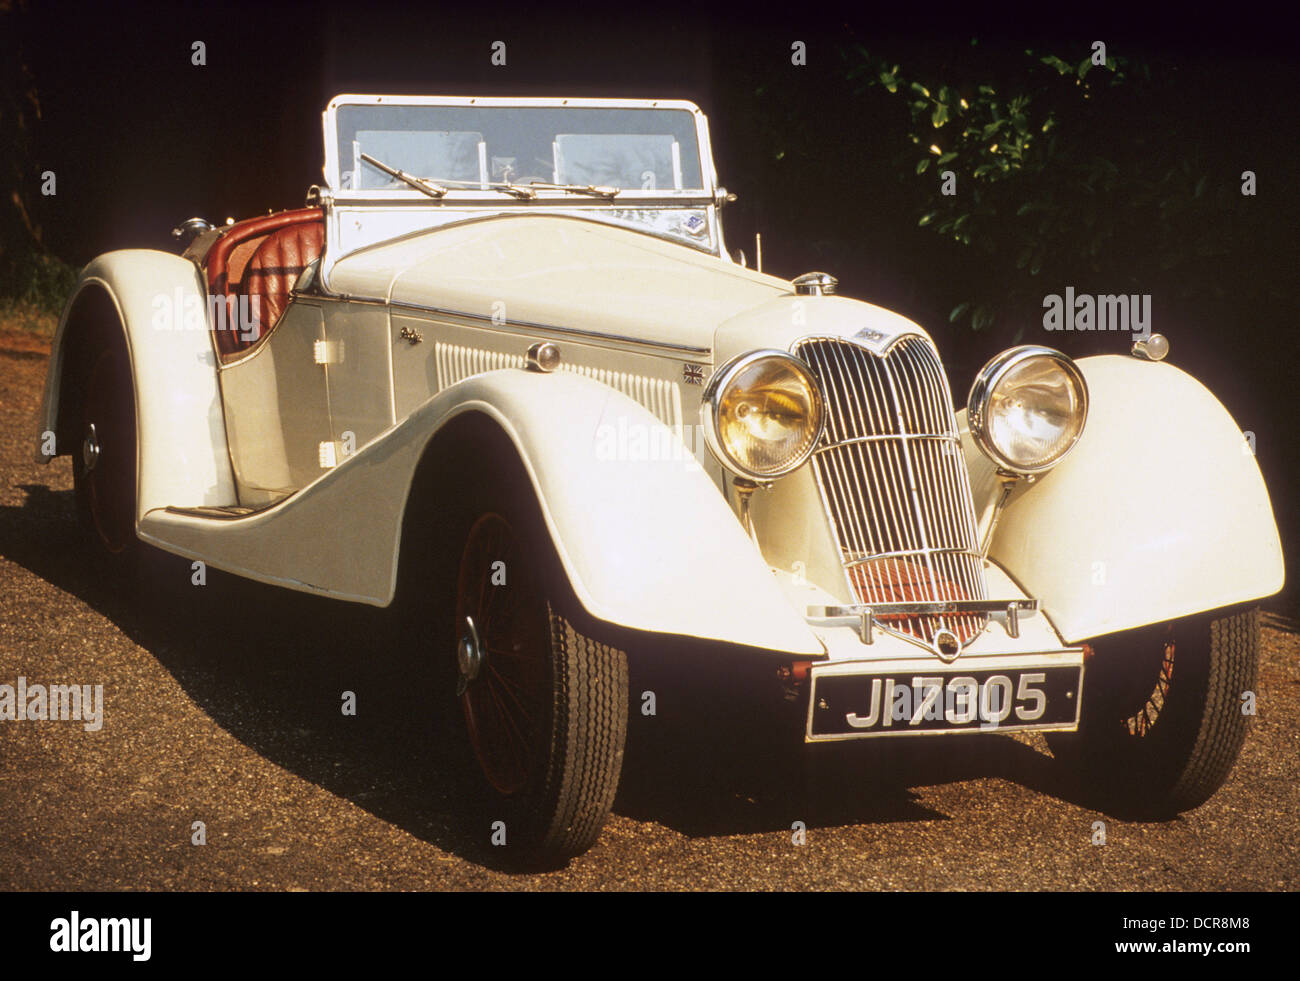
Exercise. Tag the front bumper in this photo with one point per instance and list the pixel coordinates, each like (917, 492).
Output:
(866, 619)
(878, 680)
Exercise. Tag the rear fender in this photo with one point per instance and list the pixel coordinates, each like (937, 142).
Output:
(160, 306)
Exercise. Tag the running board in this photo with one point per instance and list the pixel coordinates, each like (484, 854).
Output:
(224, 512)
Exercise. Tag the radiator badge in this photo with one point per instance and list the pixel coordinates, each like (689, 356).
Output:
(693, 374)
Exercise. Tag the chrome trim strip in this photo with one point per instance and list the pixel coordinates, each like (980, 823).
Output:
(866, 560)
(945, 606)
(399, 306)
(945, 437)
(627, 200)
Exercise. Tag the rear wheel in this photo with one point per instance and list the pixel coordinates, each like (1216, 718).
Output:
(104, 458)
(545, 707)
(1162, 719)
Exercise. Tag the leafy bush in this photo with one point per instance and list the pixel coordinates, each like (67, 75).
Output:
(1066, 172)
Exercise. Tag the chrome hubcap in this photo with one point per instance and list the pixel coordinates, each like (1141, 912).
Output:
(90, 448)
(469, 656)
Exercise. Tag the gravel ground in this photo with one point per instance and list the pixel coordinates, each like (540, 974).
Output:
(222, 706)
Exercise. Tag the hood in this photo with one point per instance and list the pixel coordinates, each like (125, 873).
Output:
(783, 321)
(560, 271)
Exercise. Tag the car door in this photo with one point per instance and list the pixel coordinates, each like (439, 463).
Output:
(358, 374)
(277, 408)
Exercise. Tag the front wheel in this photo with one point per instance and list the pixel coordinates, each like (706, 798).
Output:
(1164, 715)
(545, 707)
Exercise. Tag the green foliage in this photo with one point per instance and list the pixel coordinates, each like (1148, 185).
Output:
(1063, 174)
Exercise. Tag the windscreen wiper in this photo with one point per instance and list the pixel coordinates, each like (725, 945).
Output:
(514, 190)
(442, 185)
(595, 190)
(419, 183)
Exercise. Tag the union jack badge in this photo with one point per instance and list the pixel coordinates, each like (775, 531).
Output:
(693, 374)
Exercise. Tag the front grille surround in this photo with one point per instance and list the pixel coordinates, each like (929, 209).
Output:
(894, 482)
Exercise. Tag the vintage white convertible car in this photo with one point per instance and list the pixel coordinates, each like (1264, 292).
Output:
(504, 366)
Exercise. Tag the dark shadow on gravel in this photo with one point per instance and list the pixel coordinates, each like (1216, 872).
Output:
(732, 761)
(721, 756)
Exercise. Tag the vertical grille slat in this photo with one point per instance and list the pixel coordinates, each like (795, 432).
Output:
(847, 476)
(894, 481)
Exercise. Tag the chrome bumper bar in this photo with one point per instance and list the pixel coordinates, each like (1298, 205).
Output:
(862, 615)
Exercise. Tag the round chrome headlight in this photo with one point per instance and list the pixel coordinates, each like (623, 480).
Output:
(1027, 408)
(763, 414)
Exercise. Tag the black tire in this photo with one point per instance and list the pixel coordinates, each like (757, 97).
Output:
(1162, 719)
(104, 454)
(545, 706)
(587, 737)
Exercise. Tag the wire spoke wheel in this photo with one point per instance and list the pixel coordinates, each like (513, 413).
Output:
(502, 657)
(545, 707)
(1141, 724)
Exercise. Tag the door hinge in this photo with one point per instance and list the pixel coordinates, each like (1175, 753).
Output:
(327, 352)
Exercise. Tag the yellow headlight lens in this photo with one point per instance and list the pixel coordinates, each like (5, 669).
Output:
(763, 414)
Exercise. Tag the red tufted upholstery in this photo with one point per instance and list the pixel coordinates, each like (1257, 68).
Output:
(276, 266)
(261, 259)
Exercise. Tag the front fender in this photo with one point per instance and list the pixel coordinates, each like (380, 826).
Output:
(1158, 512)
(161, 309)
(645, 536)
(642, 533)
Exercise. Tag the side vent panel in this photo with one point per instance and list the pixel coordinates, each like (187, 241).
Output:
(661, 397)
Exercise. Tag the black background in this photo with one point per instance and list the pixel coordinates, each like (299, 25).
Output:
(1027, 934)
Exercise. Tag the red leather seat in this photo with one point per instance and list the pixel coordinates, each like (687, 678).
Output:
(261, 259)
(276, 266)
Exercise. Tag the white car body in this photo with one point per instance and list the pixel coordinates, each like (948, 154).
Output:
(291, 461)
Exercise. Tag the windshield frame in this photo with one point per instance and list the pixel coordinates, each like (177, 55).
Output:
(365, 218)
(401, 195)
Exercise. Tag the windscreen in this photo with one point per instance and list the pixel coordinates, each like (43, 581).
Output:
(630, 149)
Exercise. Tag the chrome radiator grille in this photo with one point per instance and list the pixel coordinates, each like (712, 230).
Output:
(894, 482)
